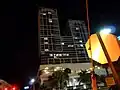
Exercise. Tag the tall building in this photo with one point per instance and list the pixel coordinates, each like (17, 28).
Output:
(49, 34)
(56, 50)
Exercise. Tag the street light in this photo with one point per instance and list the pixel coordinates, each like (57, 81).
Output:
(106, 30)
(32, 81)
(118, 37)
(26, 87)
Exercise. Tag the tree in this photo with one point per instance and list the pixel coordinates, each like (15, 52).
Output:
(84, 76)
(60, 78)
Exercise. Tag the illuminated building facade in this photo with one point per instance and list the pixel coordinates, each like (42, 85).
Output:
(58, 50)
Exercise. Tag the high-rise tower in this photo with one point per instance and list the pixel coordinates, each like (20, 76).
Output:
(56, 50)
(49, 34)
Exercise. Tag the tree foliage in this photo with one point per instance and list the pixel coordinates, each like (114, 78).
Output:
(57, 80)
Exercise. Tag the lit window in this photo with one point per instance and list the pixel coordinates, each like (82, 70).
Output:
(62, 43)
(70, 45)
(49, 12)
(60, 55)
(77, 28)
(67, 54)
(51, 55)
(81, 45)
(45, 38)
(46, 50)
(76, 37)
(44, 13)
(50, 20)
(80, 41)
(64, 54)
(45, 42)
(57, 55)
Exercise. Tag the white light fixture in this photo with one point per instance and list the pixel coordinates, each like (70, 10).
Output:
(74, 87)
(106, 31)
(62, 43)
(44, 13)
(55, 69)
(64, 54)
(70, 45)
(45, 38)
(80, 41)
(55, 57)
(49, 12)
(76, 37)
(51, 55)
(57, 54)
(46, 68)
(98, 67)
(46, 49)
(45, 42)
(60, 55)
(47, 72)
(26, 87)
(84, 86)
(77, 28)
(50, 20)
(32, 81)
(81, 45)
(67, 54)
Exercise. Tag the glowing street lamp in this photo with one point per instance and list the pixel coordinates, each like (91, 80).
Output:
(26, 87)
(106, 31)
(118, 37)
(32, 81)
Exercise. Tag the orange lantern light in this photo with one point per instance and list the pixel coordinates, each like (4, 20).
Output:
(111, 43)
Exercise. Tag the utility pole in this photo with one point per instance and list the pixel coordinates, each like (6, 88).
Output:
(93, 77)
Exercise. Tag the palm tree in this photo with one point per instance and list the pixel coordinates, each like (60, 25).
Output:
(84, 76)
(59, 78)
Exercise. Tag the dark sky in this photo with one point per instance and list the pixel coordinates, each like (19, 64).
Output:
(18, 31)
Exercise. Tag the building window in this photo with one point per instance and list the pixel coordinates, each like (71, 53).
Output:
(44, 14)
(81, 45)
(80, 41)
(55, 57)
(64, 54)
(77, 28)
(60, 55)
(46, 49)
(49, 13)
(50, 20)
(70, 45)
(62, 43)
(45, 42)
(51, 55)
(45, 38)
(76, 37)
(67, 54)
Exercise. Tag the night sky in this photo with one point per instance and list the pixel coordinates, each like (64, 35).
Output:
(18, 31)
